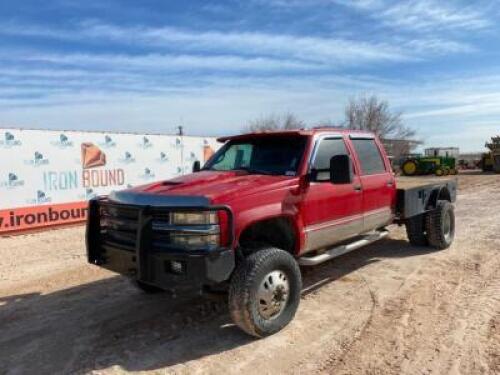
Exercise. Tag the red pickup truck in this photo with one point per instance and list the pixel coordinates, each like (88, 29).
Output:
(263, 205)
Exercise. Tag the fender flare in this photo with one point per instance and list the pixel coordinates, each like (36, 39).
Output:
(294, 223)
(441, 193)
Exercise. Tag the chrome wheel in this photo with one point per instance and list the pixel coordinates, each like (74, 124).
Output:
(273, 294)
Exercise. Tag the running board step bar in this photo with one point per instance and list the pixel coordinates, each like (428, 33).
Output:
(340, 250)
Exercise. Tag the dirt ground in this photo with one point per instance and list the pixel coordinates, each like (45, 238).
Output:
(389, 308)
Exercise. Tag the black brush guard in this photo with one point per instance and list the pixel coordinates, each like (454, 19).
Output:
(149, 265)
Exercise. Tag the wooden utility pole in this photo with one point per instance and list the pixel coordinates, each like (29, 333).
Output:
(181, 135)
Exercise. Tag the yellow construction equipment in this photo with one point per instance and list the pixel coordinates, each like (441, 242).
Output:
(491, 161)
(487, 162)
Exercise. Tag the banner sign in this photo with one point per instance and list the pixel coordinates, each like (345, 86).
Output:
(46, 177)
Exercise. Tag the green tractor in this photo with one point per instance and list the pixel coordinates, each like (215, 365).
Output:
(426, 165)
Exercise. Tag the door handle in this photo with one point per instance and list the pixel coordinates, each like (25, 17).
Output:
(357, 187)
(390, 182)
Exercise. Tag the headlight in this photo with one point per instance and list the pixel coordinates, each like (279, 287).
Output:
(195, 241)
(194, 218)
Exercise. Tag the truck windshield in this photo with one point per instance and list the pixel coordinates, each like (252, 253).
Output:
(270, 155)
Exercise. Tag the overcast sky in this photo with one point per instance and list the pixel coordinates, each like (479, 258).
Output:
(148, 66)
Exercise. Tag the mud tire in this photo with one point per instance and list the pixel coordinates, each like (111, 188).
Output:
(440, 225)
(245, 282)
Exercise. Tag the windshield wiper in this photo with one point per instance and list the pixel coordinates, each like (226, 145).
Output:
(246, 169)
(255, 171)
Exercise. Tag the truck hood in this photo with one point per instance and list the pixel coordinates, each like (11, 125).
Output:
(219, 187)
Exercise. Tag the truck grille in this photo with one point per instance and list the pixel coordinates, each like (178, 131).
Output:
(119, 227)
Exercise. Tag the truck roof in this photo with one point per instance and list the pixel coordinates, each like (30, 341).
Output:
(302, 132)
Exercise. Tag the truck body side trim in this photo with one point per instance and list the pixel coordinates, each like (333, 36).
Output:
(335, 231)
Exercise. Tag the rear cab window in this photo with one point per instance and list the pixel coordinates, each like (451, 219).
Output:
(369, 155)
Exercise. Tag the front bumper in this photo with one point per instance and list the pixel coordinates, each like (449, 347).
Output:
(171, 269)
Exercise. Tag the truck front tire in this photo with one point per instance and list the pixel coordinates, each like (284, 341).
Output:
(264, 293)
(440, 225)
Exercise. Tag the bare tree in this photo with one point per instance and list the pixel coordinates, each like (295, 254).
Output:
(374, 115)
(288, 121)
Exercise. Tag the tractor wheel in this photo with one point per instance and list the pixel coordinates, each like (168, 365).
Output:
(439, 172)
(446, 171)
(409, 168)
(453, 171)
(265, 292)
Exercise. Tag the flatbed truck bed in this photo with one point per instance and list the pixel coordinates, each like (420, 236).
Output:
(416, 196)
(405, 183)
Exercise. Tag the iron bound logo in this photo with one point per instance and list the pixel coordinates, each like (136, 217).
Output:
(89, 194)
(191, 156)
(9, 140)
(93, 176)
(147, 175)
(108, 142)
(208, 151)
(184, 170)
(127, 158)
(66, 180)
(163, 158)
(37, 160)
(92, 156)
(146, 143)
(177, 143)
(12, 181)
(62, 142)
(40, 198)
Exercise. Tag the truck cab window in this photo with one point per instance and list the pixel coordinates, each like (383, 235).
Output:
(328, 148)
(273, 155)
(235, 157)
(369, 156)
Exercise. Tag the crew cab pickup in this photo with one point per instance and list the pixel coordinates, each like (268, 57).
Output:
(263, 206)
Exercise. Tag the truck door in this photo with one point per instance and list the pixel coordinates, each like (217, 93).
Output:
(331, 213)
(377, 182)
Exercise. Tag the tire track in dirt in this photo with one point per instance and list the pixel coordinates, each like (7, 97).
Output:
(435, 326)
(387, 309)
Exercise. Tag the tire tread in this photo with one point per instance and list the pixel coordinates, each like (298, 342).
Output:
(434, 224)
(240, 301)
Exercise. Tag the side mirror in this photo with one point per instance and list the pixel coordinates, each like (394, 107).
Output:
(341, 169)
(196, 166)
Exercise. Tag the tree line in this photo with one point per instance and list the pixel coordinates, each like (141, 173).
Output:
(362, 113)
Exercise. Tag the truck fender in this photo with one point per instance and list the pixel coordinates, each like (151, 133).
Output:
(295, 226)
(440, 193)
